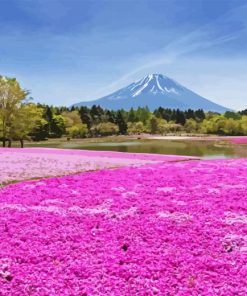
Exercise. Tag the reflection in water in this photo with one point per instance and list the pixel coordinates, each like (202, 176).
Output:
(205, 149)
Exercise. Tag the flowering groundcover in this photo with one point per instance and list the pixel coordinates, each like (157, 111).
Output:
(239, 140)
(29, 163)
(157, 229)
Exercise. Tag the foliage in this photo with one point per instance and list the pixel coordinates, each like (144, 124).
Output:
(19, 119)
(11, 98)
(121, 122)
(29, 117)
(153, 125)
(79, 130)
(136, 127)
(104, 129)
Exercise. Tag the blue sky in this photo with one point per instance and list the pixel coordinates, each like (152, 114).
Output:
(66, 51)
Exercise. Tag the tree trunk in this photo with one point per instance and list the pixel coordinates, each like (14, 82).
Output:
(9, 144)
(4, 142)
(22, 143)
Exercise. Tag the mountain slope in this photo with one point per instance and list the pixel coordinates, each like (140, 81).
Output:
(155, 90)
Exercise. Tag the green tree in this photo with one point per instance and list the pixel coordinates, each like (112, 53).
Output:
(180, 117)
(78, 130)
(232, 115)
(232, 127)
(162, 126)
(122, 125)
(153, 125)
(105, 129)
(57, 126)
(191, 125)
(11, 97)
(136, 127)
(243, 125)
(132, 115)
(86, 116)
(28, 117)
(174, 127)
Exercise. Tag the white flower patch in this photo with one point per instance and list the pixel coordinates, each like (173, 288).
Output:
(176, 216)
(119, 189)
(213, 190)
(63, 185)
(4, 268)
(29, 186)
(128, 212)
(49, 209)
(235, 242)
(129, 193)
(54, 201)
(96, 210)
(76, 210)
(18, 207)
(231, 218)
(179, 202)
(100, 209)
(237, 186)
(165, 189)
(40, 183)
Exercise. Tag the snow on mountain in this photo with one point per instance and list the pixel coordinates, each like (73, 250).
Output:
(155, 90)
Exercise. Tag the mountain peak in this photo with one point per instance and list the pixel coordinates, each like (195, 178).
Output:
(155, 90)
(155, 84)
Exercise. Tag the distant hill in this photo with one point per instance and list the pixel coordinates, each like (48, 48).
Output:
(155, 90)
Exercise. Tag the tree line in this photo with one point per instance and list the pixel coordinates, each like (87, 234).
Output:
(21, 119)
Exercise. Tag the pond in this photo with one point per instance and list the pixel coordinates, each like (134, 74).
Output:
(202, 148)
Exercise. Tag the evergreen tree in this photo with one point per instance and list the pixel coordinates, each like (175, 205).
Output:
(122, 125)
(132, 116)
(180, 118)
(153, 125)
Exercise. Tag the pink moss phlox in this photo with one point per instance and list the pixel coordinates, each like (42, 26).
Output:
(29, 163)
(239, 140)
(159, 229)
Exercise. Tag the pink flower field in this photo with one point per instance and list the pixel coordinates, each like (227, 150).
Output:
(162, 228)
(24, 164)
(239, 140)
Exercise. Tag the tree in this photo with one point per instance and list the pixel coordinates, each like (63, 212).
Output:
(79, 130)
(85, 116)
(200, 115)
(105, 129)
(74, 127)
(174, 127)
(41, 131)
(132, 115)
(11, 97)
(153, 125)
(29, 117)
(243, 125)
(122, 125)
(233, 115)
(96, 112)
(190, 114)
(191, 125)
(232, 127)
(162, 126)
(71, 118)
(180, 117)
(244, 112)
(136, 127)
(57, 126)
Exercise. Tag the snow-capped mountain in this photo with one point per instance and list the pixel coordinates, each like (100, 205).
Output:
(155, 90)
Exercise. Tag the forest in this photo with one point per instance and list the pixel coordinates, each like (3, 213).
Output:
(22, 119)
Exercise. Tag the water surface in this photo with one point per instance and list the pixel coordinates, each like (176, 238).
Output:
(202, 148)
